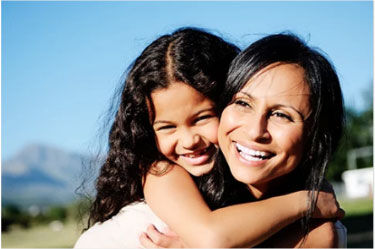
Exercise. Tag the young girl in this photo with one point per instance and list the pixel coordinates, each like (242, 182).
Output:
(168, 113)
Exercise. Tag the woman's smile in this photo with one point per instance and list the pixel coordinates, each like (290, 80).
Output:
(261, 130)
(252, 155)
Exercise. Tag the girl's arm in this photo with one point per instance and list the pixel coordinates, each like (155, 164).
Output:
(175, 198)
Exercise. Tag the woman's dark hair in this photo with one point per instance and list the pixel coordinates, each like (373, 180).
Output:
(325, 123)
(188, 55)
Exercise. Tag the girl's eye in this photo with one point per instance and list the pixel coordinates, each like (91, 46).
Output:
(204, 117)
(282, 116)
(165, 128)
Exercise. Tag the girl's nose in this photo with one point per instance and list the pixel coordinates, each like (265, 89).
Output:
(189, 139)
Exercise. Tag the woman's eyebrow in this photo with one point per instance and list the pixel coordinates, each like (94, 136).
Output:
(278, 105)
(247, 95)
(291, 107)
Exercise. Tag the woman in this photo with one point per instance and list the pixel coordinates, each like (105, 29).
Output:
(283, 118)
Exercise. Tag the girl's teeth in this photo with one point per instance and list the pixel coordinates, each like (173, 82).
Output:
(197, 154)
(199, 158)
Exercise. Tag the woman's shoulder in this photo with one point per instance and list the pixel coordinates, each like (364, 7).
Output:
(327, 234)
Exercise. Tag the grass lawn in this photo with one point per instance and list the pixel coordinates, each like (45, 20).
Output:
(357, 206)
(358, 221)
(41, 236)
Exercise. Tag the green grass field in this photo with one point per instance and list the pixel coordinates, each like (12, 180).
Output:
(41, 236)
(358, 221)
(357, 207)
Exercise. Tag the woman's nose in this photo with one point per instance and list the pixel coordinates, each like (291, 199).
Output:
(257, 128)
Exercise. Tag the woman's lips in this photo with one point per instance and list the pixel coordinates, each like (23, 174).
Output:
(199, 157)
(251, 156)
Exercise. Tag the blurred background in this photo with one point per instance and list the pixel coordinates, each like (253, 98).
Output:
(61, 62)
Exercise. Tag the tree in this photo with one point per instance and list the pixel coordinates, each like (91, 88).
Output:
(358, 133)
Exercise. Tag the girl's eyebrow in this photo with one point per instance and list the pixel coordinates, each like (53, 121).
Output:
(161, 122)
(210, 109)
(278, 105)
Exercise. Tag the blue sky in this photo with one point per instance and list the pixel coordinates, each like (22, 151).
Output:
(62, 60)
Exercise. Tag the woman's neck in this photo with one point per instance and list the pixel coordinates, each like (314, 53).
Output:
(275, 187)
(256, 192)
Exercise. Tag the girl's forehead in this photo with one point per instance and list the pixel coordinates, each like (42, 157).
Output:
(177, 95)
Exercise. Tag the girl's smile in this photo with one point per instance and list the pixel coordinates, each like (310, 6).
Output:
(186, 126)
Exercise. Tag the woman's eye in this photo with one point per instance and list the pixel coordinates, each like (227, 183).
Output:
(282, 116)
(242, 103)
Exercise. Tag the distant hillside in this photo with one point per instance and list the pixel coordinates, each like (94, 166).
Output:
(41, 174)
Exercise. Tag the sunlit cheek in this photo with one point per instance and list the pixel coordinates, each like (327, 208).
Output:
(229, 120)
(290, 142)
(210, 131)
(165, 146)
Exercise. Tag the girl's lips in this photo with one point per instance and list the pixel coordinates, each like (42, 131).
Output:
(199, 158)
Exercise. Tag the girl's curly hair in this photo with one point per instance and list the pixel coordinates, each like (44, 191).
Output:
(188, 55)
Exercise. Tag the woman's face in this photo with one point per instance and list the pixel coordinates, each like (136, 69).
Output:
(186, 126)
(261, 130)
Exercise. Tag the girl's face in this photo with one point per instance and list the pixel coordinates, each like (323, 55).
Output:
(261, 130)
(186, 126)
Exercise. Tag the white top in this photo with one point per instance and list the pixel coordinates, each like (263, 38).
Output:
(122, 230)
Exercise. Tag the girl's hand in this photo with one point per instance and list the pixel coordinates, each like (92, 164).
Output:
(327, 205)
(155, 239)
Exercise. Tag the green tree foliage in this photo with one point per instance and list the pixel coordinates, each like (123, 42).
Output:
(12, 214)
(51, 213)
(57, 213)
(358, 133)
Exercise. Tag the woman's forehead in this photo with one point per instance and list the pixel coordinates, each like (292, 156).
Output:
(278, 79)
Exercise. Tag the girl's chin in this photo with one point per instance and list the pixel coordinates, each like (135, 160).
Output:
(199, 170)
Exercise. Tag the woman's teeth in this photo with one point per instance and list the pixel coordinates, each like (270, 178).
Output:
(252, 155)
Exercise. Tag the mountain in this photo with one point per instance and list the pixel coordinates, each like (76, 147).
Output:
(41, 174)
